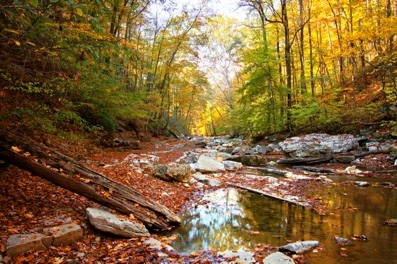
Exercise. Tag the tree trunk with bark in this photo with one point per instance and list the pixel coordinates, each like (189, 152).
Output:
(68, 173)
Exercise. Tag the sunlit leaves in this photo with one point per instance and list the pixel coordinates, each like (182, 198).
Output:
(34, 3)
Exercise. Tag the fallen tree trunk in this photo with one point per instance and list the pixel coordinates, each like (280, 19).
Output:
(301, 161)
(67, 173)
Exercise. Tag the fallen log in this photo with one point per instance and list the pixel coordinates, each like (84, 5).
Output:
(266, 194)
(371, 152)
(67, 173)
(296, 161)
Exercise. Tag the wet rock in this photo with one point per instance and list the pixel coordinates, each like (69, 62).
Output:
(361, 183)
(207, 164)
(390, 222)
(299, 247)
(173, 172)
(341, 241)
(108, 222)
(278, 258)
(387, 184)
(359, 237)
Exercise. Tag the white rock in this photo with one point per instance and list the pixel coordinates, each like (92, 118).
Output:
(108, 222)
(232, 165)
(278, 258)
(207, 164)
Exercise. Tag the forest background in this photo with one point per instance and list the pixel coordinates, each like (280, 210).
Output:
(156, 66)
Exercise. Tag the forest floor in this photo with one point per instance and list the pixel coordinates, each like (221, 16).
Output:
(27, 201)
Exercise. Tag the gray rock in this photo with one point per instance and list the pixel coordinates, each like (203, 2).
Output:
(207, 164)
(188, 157)
(341, 241)
(18, 244)
(65, 234)
(206, 180)
(173, 172)
(261, 149)
(108, 222)
(58, 235)
(299, 247)
(317, 145)
(232, 165)
(278, 258)
(361, 183)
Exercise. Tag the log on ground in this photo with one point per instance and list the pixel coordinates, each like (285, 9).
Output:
(84, 181)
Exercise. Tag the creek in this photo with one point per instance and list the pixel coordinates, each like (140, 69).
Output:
(231, 219)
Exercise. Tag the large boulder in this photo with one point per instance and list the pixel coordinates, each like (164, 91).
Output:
(208, 164)
(173, 172)
(317, 145)
(110, 223)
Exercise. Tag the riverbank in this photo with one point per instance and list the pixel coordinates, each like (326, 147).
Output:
(27, 201)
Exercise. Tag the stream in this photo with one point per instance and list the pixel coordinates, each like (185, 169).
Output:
(231, 219)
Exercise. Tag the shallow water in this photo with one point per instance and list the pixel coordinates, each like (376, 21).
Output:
(233, 219)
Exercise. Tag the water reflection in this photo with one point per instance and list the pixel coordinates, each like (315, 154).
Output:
(231, 219)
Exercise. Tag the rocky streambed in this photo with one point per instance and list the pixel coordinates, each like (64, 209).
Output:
(298, 175)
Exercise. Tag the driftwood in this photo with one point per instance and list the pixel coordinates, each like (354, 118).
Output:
(297, 161)
(265, 194)
(67, 173)
(373, 152)
(313, 169)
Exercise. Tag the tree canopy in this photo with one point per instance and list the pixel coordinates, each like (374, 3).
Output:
(288, 66)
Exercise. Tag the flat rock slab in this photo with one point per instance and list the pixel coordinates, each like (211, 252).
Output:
(54, 236)
(18, 244)
(110, 223)
(65, 234)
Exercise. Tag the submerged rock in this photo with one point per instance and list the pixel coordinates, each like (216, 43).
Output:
(341, 241)
(390, 222)
(299, 247)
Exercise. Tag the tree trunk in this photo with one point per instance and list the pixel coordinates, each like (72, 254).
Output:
(79, 179)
